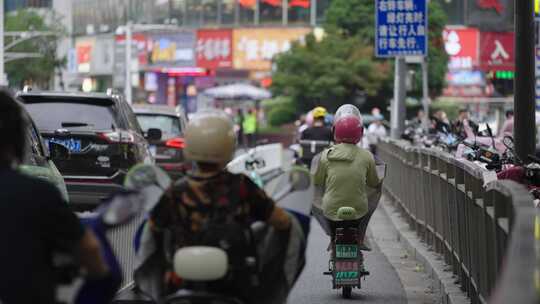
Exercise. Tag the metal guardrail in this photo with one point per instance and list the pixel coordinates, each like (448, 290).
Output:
(485, 234)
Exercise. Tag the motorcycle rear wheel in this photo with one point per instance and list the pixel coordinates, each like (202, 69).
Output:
(346, 292)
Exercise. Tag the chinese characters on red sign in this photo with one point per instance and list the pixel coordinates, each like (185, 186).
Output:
(491, 4)
(214, 49)
(461, 45)
(497, 51)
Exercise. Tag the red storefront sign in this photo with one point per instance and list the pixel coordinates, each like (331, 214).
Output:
(497, 51)
(461, 45)
(138, 40)
(84, 53)
(214, 49)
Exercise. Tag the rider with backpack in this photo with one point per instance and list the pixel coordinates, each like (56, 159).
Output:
(213, 207)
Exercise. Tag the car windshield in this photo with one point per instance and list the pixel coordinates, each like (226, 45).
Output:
(169, 125)
(66, 115)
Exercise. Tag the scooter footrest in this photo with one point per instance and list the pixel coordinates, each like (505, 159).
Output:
(327, 273)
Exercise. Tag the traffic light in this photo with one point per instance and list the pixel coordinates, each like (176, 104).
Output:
(508, 75)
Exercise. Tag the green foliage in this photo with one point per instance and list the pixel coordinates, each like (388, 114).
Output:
(342, 68)
(281, 115)
(353, 18)
(330, 73)
(36, 71)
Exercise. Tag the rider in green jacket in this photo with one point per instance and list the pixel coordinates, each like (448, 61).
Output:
(345, 171)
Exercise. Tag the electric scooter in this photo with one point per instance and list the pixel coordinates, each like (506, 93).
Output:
(346, 263)
(201, 266)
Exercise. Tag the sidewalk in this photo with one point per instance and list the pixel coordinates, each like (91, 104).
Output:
(423, 273)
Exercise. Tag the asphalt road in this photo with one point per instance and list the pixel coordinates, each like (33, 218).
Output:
(382, 286)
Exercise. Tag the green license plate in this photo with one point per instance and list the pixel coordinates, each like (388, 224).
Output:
(346, 251)
(347, 277)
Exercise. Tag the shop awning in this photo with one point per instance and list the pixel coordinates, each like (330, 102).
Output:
(238, 91)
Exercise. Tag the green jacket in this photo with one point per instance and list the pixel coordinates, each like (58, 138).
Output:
(250, 124)
(345, 171)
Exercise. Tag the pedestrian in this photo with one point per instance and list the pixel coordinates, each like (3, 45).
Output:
(419, 119)
(239, 126)
(376, 130)
(463, 127)
(441, 122)
(250, 127)
(508, 126)
(35, 222)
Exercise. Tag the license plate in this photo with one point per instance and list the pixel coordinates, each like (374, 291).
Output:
(153, 150)
(346, 251)
(347, 277)
(347, 272)
(74, 145)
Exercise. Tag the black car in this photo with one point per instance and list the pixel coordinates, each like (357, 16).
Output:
(168, 150)
(102, 134)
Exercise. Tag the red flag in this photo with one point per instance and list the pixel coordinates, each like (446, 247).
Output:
(273, 2)
(247, 3)
(299, 3)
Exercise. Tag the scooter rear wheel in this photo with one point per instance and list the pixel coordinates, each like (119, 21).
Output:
(346, 292)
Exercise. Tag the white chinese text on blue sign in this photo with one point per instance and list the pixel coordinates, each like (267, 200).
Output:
(401, 28)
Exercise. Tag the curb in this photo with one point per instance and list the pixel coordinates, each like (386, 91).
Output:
(434, 266)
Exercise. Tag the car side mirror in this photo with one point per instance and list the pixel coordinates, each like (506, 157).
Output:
(153, 134)
(58, 151)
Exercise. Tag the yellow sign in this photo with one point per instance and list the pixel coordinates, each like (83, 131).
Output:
(255, 48)
(537, 8)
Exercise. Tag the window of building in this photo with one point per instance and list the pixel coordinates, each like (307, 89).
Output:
(300, 11)
(228, 12)
(454, 10)
(271, 11)
(209, 12)
(247, 11)
(178, 11)
(322, 7)
(194, 11)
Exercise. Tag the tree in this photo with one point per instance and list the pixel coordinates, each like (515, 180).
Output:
(331, 72)
(341, 68)
(35, 71)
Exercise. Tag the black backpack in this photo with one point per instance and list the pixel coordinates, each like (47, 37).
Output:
(225, 230)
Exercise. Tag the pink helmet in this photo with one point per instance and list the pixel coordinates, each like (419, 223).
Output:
(348, 126)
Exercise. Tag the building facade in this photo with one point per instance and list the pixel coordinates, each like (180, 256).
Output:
(98, 16)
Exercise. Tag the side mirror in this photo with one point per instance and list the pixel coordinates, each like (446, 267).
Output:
(300, 179)
(154, 134)
(58, 151)
(150, 181)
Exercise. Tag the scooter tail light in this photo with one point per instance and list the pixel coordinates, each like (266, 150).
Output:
(176, 143)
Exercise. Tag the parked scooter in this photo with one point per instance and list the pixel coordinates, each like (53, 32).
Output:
(527, 174)
(118, 210)
(199, 267)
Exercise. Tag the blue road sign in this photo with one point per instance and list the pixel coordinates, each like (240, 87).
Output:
(401, 28)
